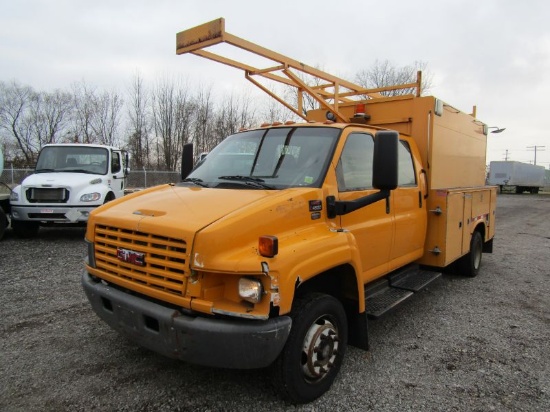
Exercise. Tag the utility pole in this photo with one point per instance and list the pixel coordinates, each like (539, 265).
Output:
(506, 156)
(535, 149)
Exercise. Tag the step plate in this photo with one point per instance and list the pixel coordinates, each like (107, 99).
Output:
(385, 300)
(414, 281)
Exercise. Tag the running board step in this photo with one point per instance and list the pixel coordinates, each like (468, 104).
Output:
(387, 293)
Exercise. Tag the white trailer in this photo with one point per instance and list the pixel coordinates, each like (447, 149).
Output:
(523, 177)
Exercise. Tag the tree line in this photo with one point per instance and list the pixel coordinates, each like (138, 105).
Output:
(152, 122)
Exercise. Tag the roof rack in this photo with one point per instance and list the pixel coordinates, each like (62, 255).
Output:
(327, 90)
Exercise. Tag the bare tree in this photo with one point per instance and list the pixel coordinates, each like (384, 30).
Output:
(171, 107)
(49, 116)
(14, 118)
(138, 139)
(273, 111)
(384, 73)
(83, 101)
(106, 117)
(96, 115)
(235, 113)
(204, 137)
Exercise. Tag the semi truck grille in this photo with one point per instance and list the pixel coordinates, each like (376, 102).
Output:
(157, 262)
(41, 195)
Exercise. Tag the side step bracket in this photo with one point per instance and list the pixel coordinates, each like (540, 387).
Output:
(387, 293)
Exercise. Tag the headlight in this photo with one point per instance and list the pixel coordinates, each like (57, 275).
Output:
(14, 197)
(250, 290)
(90, 197)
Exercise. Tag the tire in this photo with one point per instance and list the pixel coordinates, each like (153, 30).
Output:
(3, 223)
(24, 229)
(110, 196)
(469, 264)
(314, 351)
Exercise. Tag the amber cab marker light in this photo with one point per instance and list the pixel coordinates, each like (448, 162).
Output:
(268, 246)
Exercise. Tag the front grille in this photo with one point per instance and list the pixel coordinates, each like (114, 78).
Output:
(163, 264)
(42, 195)
(49, 216)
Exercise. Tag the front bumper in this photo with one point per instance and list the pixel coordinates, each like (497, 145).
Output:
(59, 214)
(224, 343)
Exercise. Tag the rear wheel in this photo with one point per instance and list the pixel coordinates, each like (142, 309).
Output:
(313, 354)
(469, 264)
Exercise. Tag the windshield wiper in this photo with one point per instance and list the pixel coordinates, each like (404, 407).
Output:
(250, 181)
(197, 181)
(78, 171)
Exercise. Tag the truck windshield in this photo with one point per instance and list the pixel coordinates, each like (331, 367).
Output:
(79, 159)
(269, 159)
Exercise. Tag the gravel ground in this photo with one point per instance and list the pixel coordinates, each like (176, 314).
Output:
(464, 344)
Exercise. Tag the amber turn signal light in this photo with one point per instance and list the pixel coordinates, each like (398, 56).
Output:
(268, 246)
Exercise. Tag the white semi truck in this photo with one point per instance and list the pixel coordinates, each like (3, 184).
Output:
(70, 180)
(522, 177)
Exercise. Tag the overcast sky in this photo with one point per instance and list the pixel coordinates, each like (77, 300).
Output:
(488, 53)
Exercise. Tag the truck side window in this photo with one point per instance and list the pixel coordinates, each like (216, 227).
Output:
(407, 176)
(115, 163)
(354, 170)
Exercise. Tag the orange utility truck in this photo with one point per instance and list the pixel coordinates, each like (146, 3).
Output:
(285, 239)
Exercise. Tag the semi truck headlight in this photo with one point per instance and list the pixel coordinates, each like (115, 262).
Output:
(90, 197)
(250, 290)
(14, 197)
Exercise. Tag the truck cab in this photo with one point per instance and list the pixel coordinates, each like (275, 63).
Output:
(69, 181)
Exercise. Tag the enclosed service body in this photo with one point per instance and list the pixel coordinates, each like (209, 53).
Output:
(286, 238)
(522, 177)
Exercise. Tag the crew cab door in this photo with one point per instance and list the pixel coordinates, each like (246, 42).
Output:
(386, 238)
(408, 209)
(371, 226)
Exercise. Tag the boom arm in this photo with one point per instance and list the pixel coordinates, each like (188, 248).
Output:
(327, 90)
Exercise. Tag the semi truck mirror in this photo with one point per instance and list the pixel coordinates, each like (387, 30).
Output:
(385, 161)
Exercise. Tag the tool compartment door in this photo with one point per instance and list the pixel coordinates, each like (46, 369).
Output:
(457, 206)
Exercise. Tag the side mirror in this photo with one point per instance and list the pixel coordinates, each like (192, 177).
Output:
(186, 160)
(384, 176)
(126, 164)
(385, 161)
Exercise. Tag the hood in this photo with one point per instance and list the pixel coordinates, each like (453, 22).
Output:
(181, 212)
(57, 180)
(76, 183)
(174, 211)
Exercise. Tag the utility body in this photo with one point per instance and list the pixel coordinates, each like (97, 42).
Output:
(285, 239)
(521, 177)
(69, 181)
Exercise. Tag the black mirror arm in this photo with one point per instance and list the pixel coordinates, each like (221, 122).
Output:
(338, 208)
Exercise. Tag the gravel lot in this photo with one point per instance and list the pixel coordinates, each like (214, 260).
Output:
(464, 344)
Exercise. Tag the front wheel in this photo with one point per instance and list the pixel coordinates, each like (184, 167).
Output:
(469, 264)
(3, 222)
(24, 229)
(313, 353)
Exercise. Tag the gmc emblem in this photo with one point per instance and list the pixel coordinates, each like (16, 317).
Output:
(130, 256)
